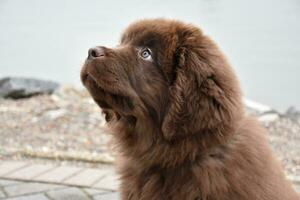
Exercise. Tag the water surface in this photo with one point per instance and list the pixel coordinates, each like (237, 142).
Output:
(50, 39)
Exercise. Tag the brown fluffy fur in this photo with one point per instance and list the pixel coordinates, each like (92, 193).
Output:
(178, 119)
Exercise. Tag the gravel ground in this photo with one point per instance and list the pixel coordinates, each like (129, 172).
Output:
(67, 127)
(285, 140)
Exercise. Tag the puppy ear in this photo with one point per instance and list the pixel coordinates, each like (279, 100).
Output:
(204, 96)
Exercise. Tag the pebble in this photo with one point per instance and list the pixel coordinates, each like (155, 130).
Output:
(65, 125)
(54, 114)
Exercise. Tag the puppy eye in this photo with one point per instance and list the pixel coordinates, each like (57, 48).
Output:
(146, 54)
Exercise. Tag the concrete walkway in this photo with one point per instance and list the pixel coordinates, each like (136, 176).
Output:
(23, 181)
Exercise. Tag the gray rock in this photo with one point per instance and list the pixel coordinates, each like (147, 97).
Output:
(15, 87)
(293, 113)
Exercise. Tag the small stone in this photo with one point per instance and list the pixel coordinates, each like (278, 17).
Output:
(54, 114)
(34, 119)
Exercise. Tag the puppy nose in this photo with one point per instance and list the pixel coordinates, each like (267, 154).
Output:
(96, 52)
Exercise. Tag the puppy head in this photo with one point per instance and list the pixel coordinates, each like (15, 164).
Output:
(169, 73)
(127, 81)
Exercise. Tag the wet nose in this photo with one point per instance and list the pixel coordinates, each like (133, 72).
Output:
(96, 52)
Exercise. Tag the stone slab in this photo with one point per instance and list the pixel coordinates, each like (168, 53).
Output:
(29, 172)
(86, 177)
(30, 197)
(109, 182)
(29, 188)
(93, 192)
(58, 174)
(68, 194)
(10, 166)
(4, 182)
(108, 196)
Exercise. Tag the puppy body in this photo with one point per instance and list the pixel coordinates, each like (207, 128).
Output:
(174, 105)
(244, 168)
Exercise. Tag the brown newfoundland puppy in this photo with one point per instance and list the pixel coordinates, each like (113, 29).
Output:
(174, 105)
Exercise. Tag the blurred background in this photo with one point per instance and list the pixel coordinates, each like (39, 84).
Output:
(50, 39)
(53, 139)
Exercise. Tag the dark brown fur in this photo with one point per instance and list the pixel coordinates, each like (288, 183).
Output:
(178, 120)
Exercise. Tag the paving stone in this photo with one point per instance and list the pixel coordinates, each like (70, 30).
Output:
(29, 172)
(87, 177)
(108, 196)
(58, 174)
(109, 181)
(68, 194)
(30, 197)
(10, 166)
(4, 182)
(93, 192)
(29, 188)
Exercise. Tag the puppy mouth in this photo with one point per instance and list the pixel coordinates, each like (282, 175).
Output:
(91, 84)
(92, 79)
(108, 91)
